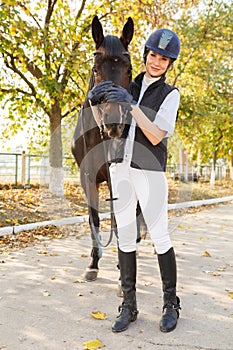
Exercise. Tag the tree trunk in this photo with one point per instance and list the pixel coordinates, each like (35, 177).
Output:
(231, 171)
(56, 183)
(213, 172)
(183, 164)
(199, 163)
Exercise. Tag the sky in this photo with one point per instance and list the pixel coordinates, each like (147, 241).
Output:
(14, 142)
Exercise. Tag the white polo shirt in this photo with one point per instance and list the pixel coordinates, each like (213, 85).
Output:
(165, 117)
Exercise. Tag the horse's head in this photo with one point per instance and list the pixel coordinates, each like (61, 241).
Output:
(112, 63)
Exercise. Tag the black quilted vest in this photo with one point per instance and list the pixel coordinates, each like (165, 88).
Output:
(145, 155)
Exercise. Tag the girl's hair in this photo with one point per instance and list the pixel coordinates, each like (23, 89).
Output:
(172, 60)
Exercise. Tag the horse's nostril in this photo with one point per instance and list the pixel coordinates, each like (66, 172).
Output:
(113, 126)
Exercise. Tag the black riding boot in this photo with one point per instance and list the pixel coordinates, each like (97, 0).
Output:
(128, 310)
(171, 307)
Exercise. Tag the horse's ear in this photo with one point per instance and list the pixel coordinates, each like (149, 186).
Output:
(97, 32)
(127, 33)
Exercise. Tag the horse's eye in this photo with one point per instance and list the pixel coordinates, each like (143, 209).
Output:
(95, 70)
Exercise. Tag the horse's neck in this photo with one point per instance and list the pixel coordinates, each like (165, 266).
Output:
(88, 122)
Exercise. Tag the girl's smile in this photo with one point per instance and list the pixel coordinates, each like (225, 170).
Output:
(156, 64)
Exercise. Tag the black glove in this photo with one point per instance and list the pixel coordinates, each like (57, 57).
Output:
(97, 94)
(118, 94)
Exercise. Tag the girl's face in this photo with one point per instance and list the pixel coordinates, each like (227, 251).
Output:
(156, 64)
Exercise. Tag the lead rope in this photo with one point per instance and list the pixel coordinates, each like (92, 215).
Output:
(87, 181)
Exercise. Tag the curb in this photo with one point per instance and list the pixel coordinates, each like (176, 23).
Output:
(10, 230)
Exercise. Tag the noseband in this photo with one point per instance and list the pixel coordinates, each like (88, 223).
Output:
(102, 108)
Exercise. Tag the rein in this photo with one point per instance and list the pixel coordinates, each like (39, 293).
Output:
(87, 181)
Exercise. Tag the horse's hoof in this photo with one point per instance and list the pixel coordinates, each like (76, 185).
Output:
(119, 291)
(91, 274)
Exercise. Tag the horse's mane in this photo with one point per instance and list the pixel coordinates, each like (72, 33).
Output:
(112, 46)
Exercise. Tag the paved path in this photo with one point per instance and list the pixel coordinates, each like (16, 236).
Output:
(41, 308)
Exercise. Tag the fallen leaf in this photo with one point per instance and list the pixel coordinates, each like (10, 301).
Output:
(221, 268)
(215, 273)
(114, 250)
(207, 254)
(80, 280)
(93, 345)
(180, 226)
(230, 295)
(46, 293)
(52, 278)
(25, 239)
(42, 252)
(98, 315)
(8, 220)
(57, 217)
(148, 284)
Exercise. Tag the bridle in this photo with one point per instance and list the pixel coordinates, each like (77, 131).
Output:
(101, 108)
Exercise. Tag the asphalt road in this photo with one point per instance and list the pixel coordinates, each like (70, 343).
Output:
(44, 304)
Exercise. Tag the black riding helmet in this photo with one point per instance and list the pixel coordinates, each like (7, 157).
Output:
(163, 41)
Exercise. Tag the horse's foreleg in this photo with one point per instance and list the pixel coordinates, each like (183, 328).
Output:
(96, 252)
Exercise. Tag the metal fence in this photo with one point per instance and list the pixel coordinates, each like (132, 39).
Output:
(194, 173)
(21, 169)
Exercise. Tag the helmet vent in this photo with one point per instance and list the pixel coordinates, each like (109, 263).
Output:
(165, 39)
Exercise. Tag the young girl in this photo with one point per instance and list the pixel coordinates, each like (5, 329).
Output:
(138, 173)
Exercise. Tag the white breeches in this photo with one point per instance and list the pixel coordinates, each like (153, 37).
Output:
(148, 187)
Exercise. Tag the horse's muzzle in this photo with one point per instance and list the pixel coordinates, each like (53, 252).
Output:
(113, 130)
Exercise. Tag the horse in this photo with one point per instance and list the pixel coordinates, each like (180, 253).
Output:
(111, 63)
